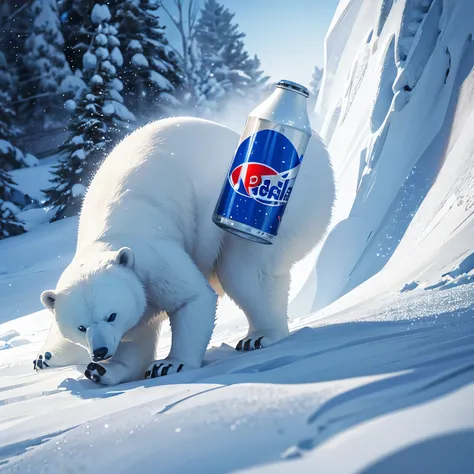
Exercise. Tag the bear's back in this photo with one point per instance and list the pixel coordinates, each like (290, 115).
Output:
(163, 180)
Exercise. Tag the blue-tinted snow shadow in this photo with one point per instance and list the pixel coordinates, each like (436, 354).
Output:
(414, 190)
(431, 456)
(16, 449)
(418, 360)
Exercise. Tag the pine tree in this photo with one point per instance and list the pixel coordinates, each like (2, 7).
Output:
(46, 64)
(72, 14)
(16, 19)
(98, 121)
(200, 92)
(223, 51)
(10, 156)
(149, 73)
(204, 93)
(10, 225)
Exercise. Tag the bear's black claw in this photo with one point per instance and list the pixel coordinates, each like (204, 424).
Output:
(258, 343)
(101, 371)
(249, 344)
(164, 371)
(154, 372)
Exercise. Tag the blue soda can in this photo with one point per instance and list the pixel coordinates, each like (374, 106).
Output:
(265, 165)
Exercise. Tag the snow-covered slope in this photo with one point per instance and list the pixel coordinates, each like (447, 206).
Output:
(396, 111)
(381, 379)
(392, 376)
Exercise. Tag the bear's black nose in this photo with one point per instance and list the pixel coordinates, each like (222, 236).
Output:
(100, 353)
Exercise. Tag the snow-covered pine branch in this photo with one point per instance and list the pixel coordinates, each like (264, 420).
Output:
(150, 70)
(99, 117)
(10, 156)
(46, 61)
(72, 14)
(223, 54)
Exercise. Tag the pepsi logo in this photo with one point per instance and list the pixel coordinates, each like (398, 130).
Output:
(263, 183)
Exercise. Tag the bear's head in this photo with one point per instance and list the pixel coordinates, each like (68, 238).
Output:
(97, 301)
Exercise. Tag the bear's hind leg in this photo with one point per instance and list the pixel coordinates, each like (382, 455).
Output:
(262, 295)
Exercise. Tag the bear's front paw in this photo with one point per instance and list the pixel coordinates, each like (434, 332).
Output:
(42, 361)
(111, 373)
(95, 372)
(159, 368)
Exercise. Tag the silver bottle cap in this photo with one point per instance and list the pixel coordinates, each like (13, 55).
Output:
(293, 86)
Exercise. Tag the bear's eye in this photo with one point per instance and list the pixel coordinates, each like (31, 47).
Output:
(82, 329)
(112, 317)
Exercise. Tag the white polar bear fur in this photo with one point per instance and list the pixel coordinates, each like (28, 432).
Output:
(155, 194)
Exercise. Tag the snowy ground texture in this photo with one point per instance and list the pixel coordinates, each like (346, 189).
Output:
(380, 379)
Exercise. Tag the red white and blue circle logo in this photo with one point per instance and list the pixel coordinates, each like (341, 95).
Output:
(269, 180)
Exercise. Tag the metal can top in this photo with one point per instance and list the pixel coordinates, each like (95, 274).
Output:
(293, 86)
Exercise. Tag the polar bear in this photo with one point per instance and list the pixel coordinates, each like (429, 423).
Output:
(147, 247)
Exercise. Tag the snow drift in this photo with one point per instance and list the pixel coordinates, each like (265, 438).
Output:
(396, 112)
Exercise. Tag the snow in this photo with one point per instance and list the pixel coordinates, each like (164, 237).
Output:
(388, 167)
(108, 67)
(102, 53)
(169, 99)
(115, 95)
(160, 81)
(96, 79)
(77, 140)
(139, 60)
(9, 206)
(72, 85)
(78, 190)
(377, 374)
(135, 45)
(121, 111)
(116, 57)
(70, 105)
(89, 61)
(32, 180)
(100, 40)
(108, 109)
(344, 382)
(100, 14)
(5, 147)
(79, 154)
(117, 84)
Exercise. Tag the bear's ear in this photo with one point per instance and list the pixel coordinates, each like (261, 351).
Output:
(125, 257)
(48, 298)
